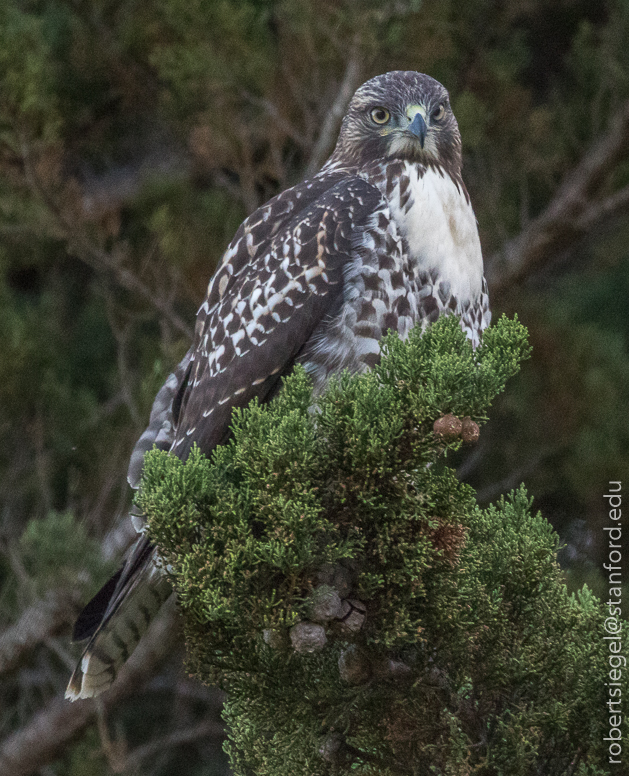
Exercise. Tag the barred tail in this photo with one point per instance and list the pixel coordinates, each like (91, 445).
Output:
(139, 591)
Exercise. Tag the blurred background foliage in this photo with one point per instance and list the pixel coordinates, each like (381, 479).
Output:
(134, 138)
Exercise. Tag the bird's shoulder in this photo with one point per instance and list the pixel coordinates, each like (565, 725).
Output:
(278, 277)
(339, 196)
(281, 276)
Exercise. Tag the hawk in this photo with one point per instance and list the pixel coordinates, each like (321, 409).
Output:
(383, 237)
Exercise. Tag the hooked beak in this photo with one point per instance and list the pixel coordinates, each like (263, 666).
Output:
(418, 128)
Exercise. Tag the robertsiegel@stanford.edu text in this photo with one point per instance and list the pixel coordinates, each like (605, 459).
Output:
(613, 621)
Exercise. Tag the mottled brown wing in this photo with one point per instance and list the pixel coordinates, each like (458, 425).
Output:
(273, 289)
(252, 238)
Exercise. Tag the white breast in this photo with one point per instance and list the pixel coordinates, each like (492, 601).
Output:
(441, 232)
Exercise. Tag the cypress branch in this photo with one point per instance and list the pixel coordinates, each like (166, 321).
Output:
(344, 588)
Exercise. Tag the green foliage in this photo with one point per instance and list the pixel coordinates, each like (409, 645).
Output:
(57, 551)
(58, 548)
(299, 488)
(469, 599)
(28, 102)
(85, 759)
(231, 43)
(54, 553)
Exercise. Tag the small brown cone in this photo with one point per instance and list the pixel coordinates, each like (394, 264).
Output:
(448, 427)
(470, 432)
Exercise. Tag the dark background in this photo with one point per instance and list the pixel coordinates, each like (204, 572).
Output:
(134, 138)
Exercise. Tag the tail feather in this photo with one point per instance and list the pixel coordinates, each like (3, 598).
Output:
(141, 589)
(92, 615)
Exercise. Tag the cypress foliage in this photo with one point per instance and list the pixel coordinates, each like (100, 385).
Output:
(472, 655)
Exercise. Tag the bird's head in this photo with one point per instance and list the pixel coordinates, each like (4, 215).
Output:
(400, 115)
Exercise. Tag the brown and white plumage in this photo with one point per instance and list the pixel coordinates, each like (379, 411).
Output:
(383, 237)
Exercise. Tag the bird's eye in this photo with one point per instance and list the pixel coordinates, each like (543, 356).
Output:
(439, 112)
(380, 115)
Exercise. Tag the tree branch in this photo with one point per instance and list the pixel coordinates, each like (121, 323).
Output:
(610, 206)
(283, 123)
(38, 622)
(50, 731)
(101, 260)
(570, 214)
(46, 617)
(333, 119)
(96, 258)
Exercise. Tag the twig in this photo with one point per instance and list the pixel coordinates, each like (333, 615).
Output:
(246, 172)
(51, 730)
(298, 95)
(115, 750)
(95, 257)
(122, 336)
(37, 623)
(605, 208)
(570, 214)
(332, 121)
(283, 123)
(471, 461)
(48, 616)
(101, 260)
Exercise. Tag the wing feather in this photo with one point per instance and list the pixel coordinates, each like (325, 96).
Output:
(261, 313)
